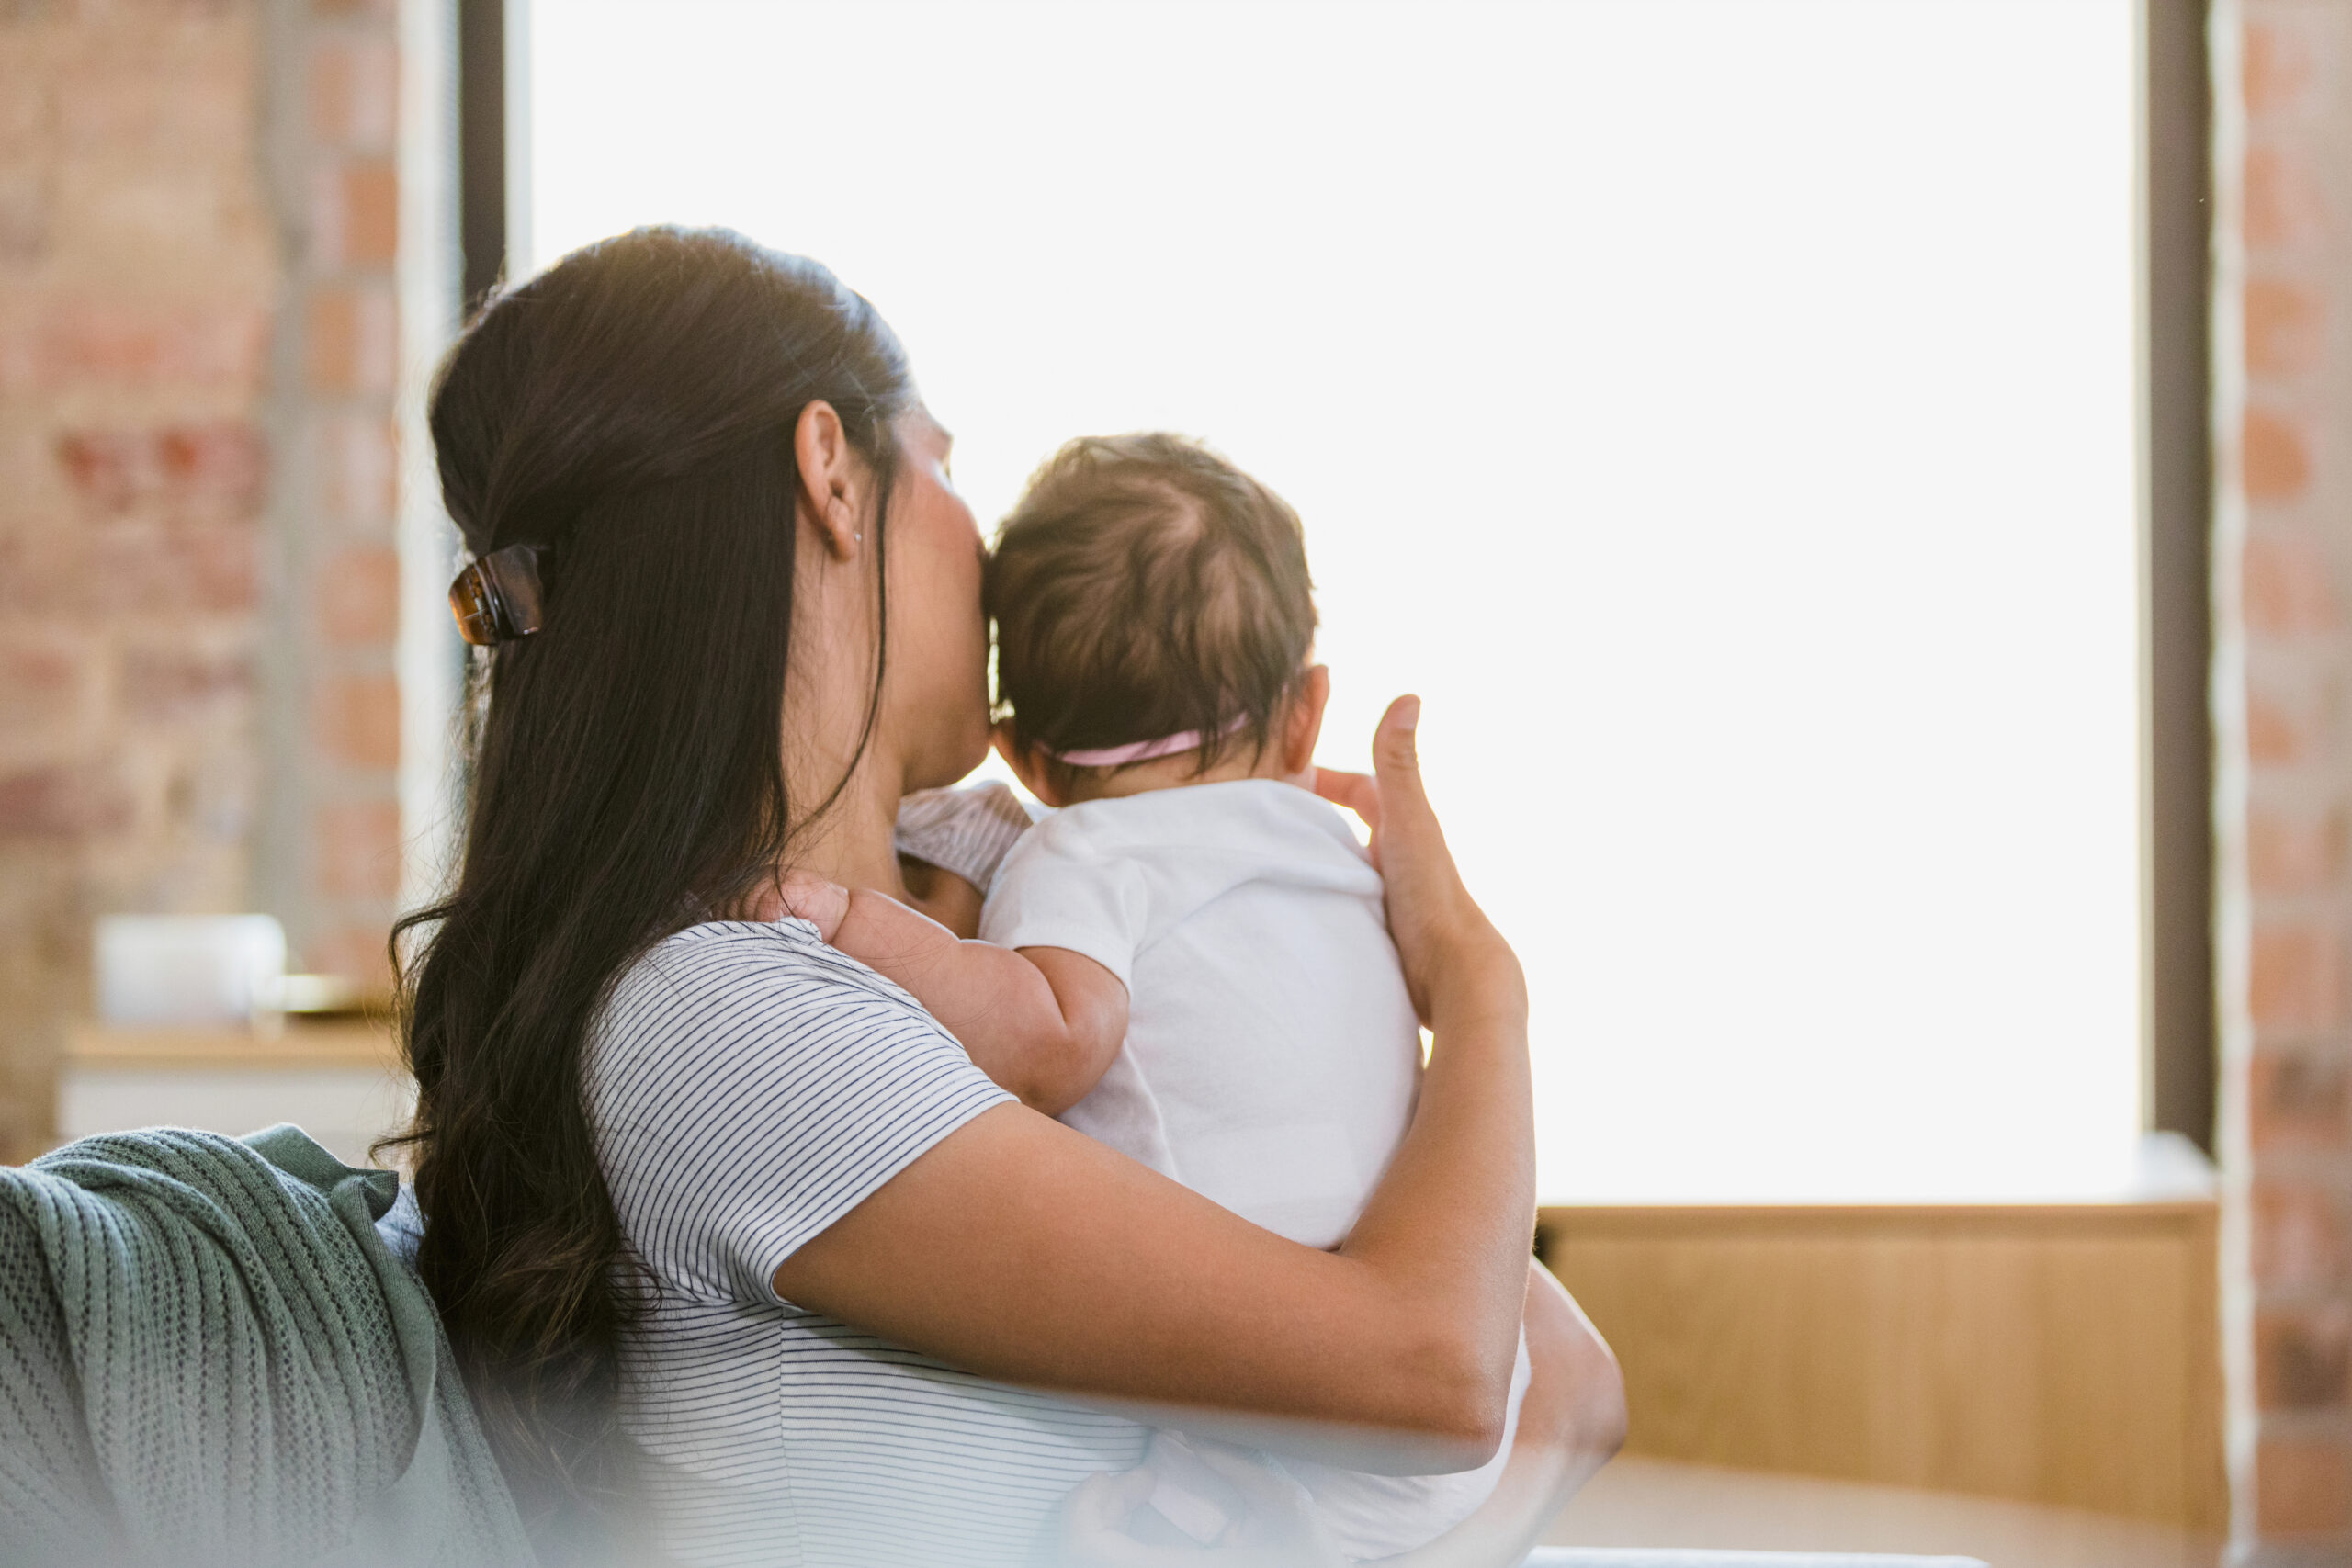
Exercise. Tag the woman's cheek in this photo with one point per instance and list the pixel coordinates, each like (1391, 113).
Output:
(944, 664)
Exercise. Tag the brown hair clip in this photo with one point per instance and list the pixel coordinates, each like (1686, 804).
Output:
(496, 598)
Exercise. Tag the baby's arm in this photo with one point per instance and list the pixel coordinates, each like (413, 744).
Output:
(943, 894)
(1043, 1021)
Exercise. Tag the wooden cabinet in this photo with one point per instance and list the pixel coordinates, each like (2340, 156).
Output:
(2055, 1353)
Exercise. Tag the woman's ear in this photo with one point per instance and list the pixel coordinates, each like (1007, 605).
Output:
(1025, 765)
(832, 480)
(1303, 726)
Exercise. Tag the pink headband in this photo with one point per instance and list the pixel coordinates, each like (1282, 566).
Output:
(1144, 750)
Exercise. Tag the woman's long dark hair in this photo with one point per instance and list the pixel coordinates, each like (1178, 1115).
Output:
(632, 410)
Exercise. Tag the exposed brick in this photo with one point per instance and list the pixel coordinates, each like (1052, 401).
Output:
(145, 247)
(222, 460)
(2296, 1235)
(2286, 581)
(43, 678)
(43, 912)
(24, 218)
(354, 93)
(130, 570)
(215, 345)
(355, 952)
(355, 213)
(2302, 1487)
(163, 108)
(2283, 325)
(2276, 67)
(2283, 207)
(359, 849)
(2297, 1099)
(359, 470)
(2296, 978)
(352, 339)
(106, 469)
(61, 803)
(200, 223)
(213, 469)
(47, 683)
(2282, 731)
(27, 111)
(357, 720)
(209, 568)
(164, 683)
(20, 346)
(2297, 1231)
(131, 567)
(2302, 1357)
(2290, 853)
(2276, 453)
(358, 595)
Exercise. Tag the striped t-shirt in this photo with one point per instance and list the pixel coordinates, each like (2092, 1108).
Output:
(749, 1086)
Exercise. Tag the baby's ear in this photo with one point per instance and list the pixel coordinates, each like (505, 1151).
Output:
(1024, 764)
(1303, 726)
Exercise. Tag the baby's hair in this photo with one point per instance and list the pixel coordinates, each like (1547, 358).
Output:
(1143, 587)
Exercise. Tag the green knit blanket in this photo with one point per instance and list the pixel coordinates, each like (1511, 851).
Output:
(207, 1356)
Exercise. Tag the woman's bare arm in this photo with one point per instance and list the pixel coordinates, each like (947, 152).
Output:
(1027, 1252)
(1571, 1422)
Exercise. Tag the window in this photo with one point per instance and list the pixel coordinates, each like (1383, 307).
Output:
(1722, 412)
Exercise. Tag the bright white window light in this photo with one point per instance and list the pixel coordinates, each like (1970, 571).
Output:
(1720, 413)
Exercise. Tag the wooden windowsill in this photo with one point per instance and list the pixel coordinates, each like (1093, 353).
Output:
(1653, 1219)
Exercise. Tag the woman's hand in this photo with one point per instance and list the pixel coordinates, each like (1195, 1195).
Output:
(1442, 935)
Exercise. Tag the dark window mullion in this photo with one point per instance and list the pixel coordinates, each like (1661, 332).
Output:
(2176, 141)
(481, 145)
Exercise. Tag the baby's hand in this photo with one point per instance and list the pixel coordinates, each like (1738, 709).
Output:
(801, 895)
(809, 896)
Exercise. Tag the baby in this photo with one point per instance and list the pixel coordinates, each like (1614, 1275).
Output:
(1188, 959)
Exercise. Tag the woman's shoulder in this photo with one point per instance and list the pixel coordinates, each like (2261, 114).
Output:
(748, 1084)
(724, 956)
(726, 987)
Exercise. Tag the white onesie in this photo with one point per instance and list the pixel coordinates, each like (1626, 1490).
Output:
(1271, 1057)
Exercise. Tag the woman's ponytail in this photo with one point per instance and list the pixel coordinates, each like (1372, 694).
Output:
(630, 411)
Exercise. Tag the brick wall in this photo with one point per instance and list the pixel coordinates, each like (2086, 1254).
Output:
(329, 854)
(196, 229)
(2283, 576)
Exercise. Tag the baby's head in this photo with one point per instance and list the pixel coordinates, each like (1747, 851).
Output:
(1154, 618)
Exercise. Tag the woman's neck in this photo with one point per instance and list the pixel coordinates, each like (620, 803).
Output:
(852, 843)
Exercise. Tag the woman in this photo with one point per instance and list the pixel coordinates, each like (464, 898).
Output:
(718, 1219)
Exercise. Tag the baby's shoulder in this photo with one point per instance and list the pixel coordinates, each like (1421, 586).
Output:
(1183, 847)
